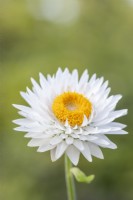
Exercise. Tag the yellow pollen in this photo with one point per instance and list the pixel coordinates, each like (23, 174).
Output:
(71, 106)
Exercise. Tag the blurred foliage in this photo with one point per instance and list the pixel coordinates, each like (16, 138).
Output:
(100, 40)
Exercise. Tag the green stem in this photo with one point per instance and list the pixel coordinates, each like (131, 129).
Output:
(69, 180)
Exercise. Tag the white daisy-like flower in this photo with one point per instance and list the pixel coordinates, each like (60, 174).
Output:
(70, 115)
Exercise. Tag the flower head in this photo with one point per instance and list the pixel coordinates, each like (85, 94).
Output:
(70, 115)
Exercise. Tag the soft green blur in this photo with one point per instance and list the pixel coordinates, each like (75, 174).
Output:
(101, 40)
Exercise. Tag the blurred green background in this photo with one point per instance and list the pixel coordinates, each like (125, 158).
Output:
(39, 36)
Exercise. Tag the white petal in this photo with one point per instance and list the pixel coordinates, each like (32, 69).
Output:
(104, 86)
(31, 128)
(102, 101)
(103, 122)
(44, 148)
(58, 74)
(97, 85)
(49, 78)
(37, 135)
(91, 137)
(23, 108)
(75, 76)
(103, 141)
(55, 140)
(115, 101)
(67, 124)
(52, 154)
(60, 149)
(91, 130)
(118, 113)
(73, 153)
(95, 150)
(22, 121)
(120, 132)
(86, 152)
(69, 140)
(26, 97)
(84, 78)
(23, 129)
(79, 145)
(36, 86)
(64, 136)
(101, 93)
(38, 142)
(85, 121)
(117, 124)
(75, 127)
(101, 116)
(92, 80)
(59, 126)
(112, 116)
(111, 146)
(83, 137)
(68, 131)
(75, 136)
(66, 74)
(43, 82)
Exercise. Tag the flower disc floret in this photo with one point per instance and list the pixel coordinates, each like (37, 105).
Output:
(71, 106)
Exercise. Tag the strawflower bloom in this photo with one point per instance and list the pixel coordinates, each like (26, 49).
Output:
(72, 115)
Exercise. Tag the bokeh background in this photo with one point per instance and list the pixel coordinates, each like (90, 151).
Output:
(39, 36)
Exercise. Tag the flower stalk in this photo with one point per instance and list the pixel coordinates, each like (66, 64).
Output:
(71, 194)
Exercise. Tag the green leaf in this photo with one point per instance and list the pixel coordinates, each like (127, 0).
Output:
(80, 176)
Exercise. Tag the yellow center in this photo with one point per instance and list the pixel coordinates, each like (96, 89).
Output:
(71, 106)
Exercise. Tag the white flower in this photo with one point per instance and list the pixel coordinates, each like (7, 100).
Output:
(70, 115)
